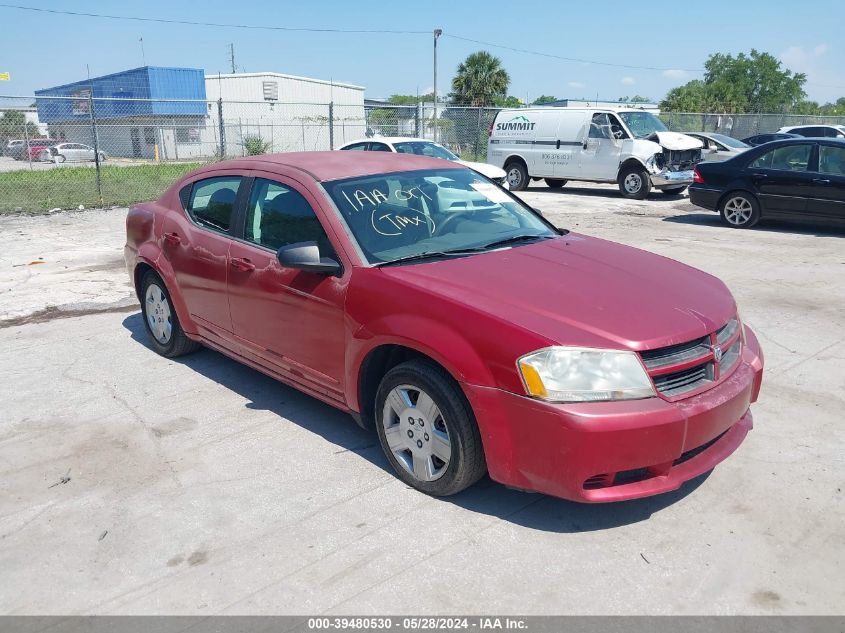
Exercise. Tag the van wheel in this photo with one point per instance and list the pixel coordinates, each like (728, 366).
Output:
(555, 183)
(674, 191)
(634, 183)
(427, 429)
(517, 176)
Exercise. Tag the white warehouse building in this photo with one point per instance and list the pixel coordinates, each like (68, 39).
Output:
(284, 113)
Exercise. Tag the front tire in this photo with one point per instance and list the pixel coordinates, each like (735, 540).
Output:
(634, 183)
(740, 210)
(160, 319)
(60, 158)
(555, 183)
(427, 429)
(517, 175)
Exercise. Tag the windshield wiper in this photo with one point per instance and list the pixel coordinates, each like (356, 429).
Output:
(424, 256)
(513, 240)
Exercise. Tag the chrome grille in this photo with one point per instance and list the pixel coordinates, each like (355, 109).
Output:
(685, 380)
(676, 354)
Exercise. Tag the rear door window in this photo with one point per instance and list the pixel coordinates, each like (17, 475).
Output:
(212, 202)
(356, 146)
(832, 160)
(787, 158)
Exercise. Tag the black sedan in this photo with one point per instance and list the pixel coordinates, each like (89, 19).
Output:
(795, 178)
(759, 139)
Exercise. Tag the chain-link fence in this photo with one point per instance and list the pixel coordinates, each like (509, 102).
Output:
(63, 152)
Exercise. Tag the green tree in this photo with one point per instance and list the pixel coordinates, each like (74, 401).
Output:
(12, 125)
(755, 82)
(480, 80)
(508, 102)
(543, 100)
(635, 99)
(411, 99)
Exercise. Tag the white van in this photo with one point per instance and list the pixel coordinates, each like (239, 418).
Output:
(628, 146)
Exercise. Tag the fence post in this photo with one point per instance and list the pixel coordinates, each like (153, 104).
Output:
(417, 119)
(477, 135)
(26, 141)
(222, 129)
(331, 124)
(96, 145)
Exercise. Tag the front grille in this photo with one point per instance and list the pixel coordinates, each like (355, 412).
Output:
(685, 367)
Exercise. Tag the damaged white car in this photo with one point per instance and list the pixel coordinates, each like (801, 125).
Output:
(627, 146)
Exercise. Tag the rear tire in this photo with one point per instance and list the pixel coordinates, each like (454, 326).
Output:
(555, 183)
(634, 182)
(60, 158)
(674, 191)
(740, 210)
(161, 321)
(517, 175)
(427, 429)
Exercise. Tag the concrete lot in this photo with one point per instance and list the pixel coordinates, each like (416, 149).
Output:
(199, 486)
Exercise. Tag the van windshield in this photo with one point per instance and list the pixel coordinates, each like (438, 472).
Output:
(643, 124)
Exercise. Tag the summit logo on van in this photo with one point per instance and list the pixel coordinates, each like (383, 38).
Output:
(518, 123)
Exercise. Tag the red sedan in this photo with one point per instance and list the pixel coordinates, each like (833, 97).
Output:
(432, 304)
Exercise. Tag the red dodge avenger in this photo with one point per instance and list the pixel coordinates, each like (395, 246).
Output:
(432, 304)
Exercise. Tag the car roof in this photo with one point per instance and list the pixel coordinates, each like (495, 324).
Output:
(333, 165)
(803, 139)
(787, 128)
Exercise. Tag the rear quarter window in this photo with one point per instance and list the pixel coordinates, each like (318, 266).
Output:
(211, 202)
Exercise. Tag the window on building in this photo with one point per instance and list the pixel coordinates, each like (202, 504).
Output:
(271, 90)
(187, 135)
(149, 136)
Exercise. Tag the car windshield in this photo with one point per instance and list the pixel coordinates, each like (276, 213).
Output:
(730, 142)
(643, 124)
(418, 213)
(424, 148)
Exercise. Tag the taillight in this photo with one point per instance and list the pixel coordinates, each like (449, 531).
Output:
(696, 177)
(490, 130)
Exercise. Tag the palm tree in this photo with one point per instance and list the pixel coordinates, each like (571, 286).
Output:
(480, 80)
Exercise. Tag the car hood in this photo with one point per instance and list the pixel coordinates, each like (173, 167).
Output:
(675, 140)
(579, 290)
(491, 171)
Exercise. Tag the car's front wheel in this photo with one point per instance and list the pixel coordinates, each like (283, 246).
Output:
(740, 210)
(634, 182)
(555, 183)
(427, 429)
(517, 175)
(162, 324)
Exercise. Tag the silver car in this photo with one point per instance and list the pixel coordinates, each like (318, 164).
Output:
(718, 146)
(70, 152)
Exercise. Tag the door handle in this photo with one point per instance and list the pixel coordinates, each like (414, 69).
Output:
(172, 238)
(760, 175)
(557, 146)
(242, 264)
(821, 181)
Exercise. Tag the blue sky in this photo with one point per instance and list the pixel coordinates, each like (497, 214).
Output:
(42, 50)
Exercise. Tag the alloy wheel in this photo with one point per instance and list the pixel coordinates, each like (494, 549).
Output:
(738, 211)
(416, 432)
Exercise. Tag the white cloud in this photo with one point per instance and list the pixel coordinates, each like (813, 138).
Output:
(628, 81)
(675, 73)
(797, 59)
(575, 84)
(820, 50)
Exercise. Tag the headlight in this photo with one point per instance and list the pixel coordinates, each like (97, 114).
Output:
(580, 374)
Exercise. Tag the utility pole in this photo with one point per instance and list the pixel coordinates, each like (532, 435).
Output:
(143, 56)
(437, 33)
(232, 57)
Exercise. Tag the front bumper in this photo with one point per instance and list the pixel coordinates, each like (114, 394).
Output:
(613, 451)
(666, 178)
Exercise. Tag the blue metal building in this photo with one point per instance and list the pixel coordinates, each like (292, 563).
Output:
(139, 113)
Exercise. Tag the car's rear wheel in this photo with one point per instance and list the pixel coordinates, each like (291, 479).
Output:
(517, 175)
(102, 157)
(555, 183)
(60, 158)
(674, 191)
(427, 429)
(740, 210)
(634, 182)
(160, 319)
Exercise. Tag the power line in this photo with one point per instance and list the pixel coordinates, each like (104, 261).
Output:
(214, 24)
(566, 59)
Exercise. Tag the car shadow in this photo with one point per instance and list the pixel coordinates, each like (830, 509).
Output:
(611, 191)
(531, 510)
(769, 226)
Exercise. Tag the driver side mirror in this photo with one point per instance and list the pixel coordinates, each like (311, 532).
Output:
(306, 256)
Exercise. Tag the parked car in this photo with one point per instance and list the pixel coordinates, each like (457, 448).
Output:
(475, 336)
(63, 152)
(795, 178)
(627, 146)
(718, 146)
(820, 131)
(14, 148)
(37, 146)
(759, 139)
(424, 147)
